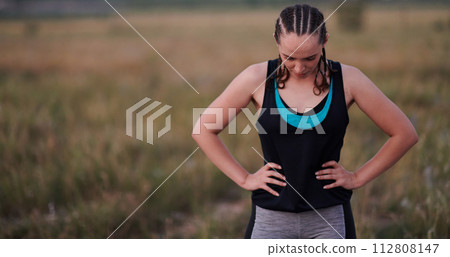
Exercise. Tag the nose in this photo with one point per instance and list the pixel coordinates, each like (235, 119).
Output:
(299, 68)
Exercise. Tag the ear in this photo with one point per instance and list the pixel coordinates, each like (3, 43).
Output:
(326, 39)
(275, 38)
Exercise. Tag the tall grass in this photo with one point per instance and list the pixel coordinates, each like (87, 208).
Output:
(67, 169)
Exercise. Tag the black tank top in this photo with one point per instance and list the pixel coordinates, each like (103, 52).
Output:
(301, 143)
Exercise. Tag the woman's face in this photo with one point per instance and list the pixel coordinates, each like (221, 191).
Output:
(303, 61)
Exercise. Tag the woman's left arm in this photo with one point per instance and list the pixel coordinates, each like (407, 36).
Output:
(387, 116)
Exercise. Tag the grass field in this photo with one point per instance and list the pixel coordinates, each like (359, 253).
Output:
(68, 170)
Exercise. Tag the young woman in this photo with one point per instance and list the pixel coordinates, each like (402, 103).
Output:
(302, 191)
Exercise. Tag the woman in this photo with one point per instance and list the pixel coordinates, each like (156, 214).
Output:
(302, 191)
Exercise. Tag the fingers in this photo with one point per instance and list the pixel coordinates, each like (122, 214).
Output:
(327, 174)
(277, 175)
(272, 165)
(276, 182)
(324, 172)
(342, 177)
(271, 171)
(270, 190)
(326, 177)
(333, 164)
(332, 185)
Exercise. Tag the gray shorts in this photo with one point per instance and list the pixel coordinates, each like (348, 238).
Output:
(270, 224)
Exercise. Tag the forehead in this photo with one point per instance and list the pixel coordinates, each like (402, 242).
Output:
(308, 46)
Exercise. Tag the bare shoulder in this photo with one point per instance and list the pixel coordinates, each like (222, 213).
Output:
(258, 72)
(254, 75)
(258, 69)
(242, 88)
(247, 85)
(354, 81)
(249, 79)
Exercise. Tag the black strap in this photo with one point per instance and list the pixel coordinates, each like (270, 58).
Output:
(271, 67)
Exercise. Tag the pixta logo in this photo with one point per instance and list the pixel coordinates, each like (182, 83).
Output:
(143, 115)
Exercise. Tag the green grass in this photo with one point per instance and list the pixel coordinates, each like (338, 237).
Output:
(69, 171)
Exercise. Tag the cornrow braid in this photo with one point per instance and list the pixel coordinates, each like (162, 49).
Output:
(303, 20)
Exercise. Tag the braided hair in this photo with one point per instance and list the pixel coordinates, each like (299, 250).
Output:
(303, 20)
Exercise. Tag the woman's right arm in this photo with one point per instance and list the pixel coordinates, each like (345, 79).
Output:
(237, 95)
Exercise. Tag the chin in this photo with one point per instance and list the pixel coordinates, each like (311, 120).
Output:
(303, 75)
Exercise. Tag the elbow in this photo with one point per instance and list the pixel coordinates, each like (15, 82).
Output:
(201, 131)
(195, 134)
(196, 131)
(196, 137)
(411, 137)
(414, 138)
(407, 136)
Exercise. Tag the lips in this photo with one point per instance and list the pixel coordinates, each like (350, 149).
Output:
(303, 74)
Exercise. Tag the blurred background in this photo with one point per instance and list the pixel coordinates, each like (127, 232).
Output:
(70, 69)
